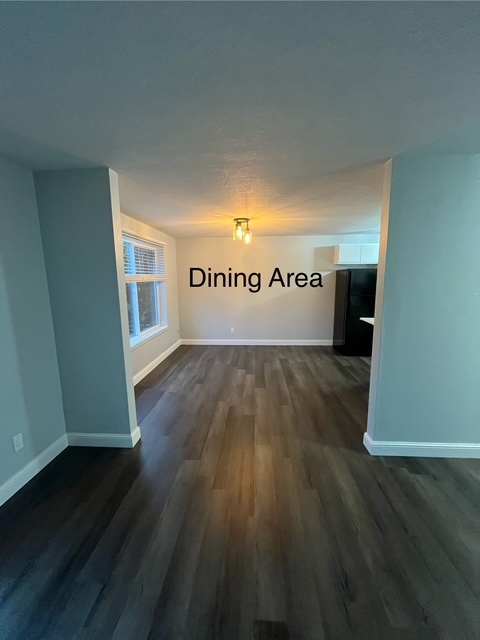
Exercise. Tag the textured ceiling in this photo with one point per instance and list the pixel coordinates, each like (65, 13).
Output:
(279, 111)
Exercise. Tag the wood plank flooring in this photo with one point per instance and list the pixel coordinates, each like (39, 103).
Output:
(249, 511)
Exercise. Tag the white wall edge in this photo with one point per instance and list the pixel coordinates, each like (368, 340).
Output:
(116, 440)
(150, 367)
(248, 342)
(30, 470)
(421, 449)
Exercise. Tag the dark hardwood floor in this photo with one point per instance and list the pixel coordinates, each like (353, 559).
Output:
(250, 510)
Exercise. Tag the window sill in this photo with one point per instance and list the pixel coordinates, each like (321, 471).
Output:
(145, 337)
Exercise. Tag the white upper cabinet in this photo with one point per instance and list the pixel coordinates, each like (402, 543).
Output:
(369, 253)
(348, 254)
(356, 254)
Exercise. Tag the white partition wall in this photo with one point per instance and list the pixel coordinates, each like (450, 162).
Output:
(425, 385)
(81, 232)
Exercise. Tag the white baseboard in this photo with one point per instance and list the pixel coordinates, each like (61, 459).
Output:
(150, 367)
(117, 440)
(136, 436)
(248, 342)
(421, 449)
(20, 479)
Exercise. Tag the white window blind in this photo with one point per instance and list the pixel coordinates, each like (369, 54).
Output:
(142, 258)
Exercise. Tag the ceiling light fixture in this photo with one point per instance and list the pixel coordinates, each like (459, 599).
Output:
(239, 233)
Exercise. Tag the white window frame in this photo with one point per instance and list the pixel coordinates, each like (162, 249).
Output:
(161, 291)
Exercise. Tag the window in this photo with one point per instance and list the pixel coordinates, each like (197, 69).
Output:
(145, 280)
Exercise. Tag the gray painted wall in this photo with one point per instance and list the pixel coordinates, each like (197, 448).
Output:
(428, 343)
(30, 395)
(81, 231)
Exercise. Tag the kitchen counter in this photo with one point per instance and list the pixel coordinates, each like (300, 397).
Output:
(369, 320)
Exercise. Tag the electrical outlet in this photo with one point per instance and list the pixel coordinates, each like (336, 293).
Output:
(18, 442)
(232, 329)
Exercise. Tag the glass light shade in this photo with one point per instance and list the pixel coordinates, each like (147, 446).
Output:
(238, 231)
(247, 236)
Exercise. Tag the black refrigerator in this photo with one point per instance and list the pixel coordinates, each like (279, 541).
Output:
(354, 299)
